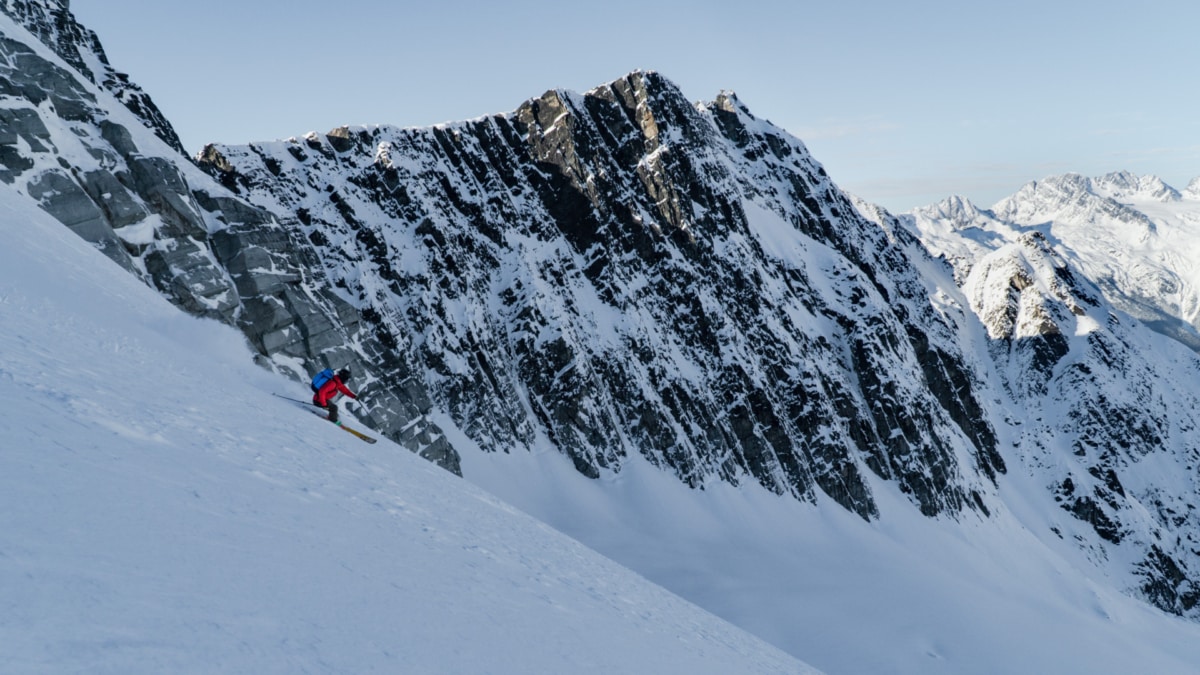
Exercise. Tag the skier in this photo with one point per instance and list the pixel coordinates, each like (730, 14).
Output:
(327, 389)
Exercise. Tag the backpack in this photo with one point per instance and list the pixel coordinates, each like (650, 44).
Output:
(321, 378)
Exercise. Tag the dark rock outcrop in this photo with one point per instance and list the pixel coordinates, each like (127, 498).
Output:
(625, 273)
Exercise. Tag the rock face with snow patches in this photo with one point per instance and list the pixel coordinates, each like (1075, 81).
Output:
(623, 273)
(1103, 421)
(1104, 408)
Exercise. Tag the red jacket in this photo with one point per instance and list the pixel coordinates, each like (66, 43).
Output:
(330, 389)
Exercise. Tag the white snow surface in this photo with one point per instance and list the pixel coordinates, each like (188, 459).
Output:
(904, 594)
(162, 512)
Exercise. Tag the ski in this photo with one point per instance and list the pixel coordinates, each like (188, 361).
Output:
(358, 433)
(311, 408)
(343, 427)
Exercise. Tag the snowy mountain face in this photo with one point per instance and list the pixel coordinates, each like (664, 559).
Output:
(623, 272)
(630, 279)
(1106, 408)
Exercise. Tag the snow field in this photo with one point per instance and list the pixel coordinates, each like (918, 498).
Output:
(160, 511)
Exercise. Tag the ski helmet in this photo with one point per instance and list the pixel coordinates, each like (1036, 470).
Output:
(344, 374)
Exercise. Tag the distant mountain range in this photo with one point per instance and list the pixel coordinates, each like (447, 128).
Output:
(1136, 237)
(625, 275)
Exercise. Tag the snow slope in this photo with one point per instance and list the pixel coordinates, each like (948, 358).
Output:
(904, 594)
(160, 511)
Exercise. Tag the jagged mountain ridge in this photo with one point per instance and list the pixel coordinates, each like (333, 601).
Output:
(625, 272)
(607, 273)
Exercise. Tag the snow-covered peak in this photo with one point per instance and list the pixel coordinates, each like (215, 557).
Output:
(959, 231)
(1126, 186)
(1018, 290)
(1073, 198)
(1193, 189)
(955, 211)
(1051, 190)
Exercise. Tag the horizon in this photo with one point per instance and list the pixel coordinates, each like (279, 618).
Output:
(899, 104)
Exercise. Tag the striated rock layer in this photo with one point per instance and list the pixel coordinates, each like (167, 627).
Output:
(625, 272)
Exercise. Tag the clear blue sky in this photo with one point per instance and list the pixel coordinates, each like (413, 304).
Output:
(905, 103)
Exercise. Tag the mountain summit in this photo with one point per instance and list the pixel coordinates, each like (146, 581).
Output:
(625, 273)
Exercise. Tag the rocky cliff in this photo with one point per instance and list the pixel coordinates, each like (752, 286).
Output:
(625, 272)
